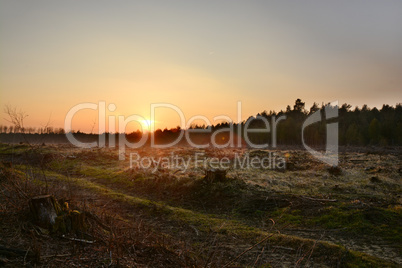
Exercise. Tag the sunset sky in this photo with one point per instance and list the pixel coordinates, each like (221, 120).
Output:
(202, 57)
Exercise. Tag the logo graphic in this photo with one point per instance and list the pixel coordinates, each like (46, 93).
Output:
(330, 156)
(237, 134)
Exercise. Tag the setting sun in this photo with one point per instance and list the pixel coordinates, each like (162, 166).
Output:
(147, 123)
(200, 133)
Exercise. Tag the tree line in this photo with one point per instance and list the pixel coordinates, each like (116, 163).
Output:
(357, 127)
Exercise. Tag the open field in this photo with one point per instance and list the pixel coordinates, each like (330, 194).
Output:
(304, 214)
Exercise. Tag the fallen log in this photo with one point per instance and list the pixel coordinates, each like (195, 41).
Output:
(15, 252)
(319, 199)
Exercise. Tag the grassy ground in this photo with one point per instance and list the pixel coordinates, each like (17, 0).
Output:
(303, 215)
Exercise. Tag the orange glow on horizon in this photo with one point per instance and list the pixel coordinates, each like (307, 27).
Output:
(201, 59)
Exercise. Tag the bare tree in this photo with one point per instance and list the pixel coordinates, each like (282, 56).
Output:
(15, 117)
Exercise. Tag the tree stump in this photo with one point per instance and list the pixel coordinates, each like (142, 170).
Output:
(49, 214)
(212, 175)
(335, 170)
(44, 209)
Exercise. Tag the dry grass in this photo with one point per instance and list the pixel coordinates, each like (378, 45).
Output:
(173, 218)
